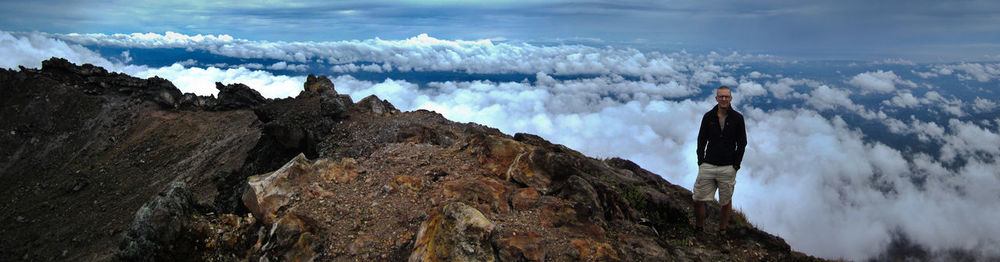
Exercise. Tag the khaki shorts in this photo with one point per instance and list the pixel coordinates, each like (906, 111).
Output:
(712, 177)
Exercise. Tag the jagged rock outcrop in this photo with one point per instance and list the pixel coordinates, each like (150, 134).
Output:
(373, 105)
(317, 85)
(332, 105)
(315, 177)
(237, 96)
(158, 226)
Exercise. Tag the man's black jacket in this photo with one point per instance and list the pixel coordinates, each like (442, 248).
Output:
(725, 146)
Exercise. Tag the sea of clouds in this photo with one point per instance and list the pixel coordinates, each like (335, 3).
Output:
(808, 176)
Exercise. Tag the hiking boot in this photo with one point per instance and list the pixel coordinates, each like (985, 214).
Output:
(699, 233)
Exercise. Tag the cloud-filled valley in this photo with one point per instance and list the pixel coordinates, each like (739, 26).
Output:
(841, 161)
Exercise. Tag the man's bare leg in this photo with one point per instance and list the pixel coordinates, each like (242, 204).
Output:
(724, 217)
(699, 214)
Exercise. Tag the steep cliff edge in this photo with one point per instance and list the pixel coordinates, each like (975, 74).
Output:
(103, 166)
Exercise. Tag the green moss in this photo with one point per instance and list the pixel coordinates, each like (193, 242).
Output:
(678, 242)
(639, 201)
(636, 198)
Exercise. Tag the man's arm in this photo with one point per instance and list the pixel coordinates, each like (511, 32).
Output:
(741, 143)
(702, 141)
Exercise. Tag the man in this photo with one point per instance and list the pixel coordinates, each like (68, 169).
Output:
(724, 133)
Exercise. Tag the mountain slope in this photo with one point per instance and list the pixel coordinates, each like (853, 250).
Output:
(100, 166)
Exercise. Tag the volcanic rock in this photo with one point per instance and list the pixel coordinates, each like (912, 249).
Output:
(237, 96)
(458, 233)
(524, 198)
(140, 170)
(522, 247)
(317, 85)
(375, 106)
(158, 225)
(269, 192)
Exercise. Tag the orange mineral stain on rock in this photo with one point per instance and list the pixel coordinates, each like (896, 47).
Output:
(343, 171)
(478, 189)
(528, 246)
(458, 233)
(591, 250)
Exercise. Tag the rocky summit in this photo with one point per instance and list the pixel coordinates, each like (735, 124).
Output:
(100, 166)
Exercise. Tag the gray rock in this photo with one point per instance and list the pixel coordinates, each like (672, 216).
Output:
(237, 96)
(586, 200)
(162, 92)
(335, 106)
(157, 224)
(61, 65)
(192, 101)
(373, 105)
(317, 85)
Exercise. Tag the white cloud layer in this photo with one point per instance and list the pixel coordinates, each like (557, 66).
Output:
(282, 65)
(30, 50)
(981, 72)
(879, 81)
(953, 106)
(811, 179)
(425, 53)
(983, 105)
(201, 81)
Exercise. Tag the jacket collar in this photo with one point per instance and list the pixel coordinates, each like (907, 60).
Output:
(715, 110)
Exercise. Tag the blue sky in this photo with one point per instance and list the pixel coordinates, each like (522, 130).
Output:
(916, 30)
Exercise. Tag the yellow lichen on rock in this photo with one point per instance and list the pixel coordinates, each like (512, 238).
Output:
(458, 233)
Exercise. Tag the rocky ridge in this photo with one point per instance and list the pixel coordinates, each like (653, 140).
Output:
(104, 166)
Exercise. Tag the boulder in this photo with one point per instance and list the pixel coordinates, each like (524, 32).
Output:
(157, 225)
(527, 171)
(457, 233)
(237, 96)
(375, 106)
(501, 155)
(584, 197)
(162, 92)
(291, 238)
(331, 104)
(478, 189)
(335, 106)
(317, 85)
(269, 192)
